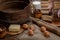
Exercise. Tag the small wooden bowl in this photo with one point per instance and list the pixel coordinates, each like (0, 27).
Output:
(2, 29)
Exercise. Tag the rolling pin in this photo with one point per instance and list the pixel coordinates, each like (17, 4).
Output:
(49, 26)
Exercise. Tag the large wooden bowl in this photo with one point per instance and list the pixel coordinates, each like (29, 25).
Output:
(15, 11)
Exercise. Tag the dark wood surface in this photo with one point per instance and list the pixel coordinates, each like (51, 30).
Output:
(38, 35)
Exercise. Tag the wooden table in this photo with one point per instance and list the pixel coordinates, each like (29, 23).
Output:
(38, 35)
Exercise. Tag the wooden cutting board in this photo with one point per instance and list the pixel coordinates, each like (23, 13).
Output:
(15, 33)
(56, 23)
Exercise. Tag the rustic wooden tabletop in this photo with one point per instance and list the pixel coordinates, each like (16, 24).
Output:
(38, 35)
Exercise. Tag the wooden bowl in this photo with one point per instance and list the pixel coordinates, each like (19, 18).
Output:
(2, 29)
